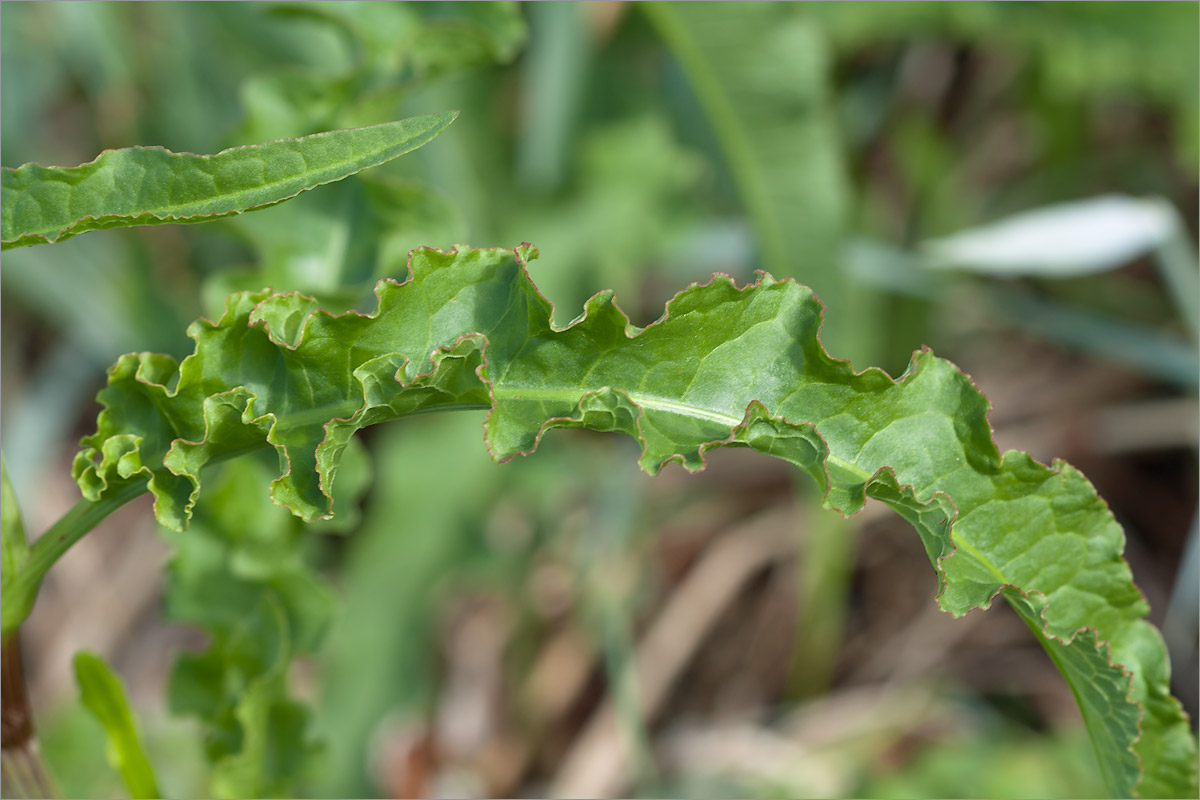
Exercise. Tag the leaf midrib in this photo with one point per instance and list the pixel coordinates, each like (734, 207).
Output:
(669, 406)
(335, 167)
(178, 211)
(572, 395)
(164, 212)
(655, 403)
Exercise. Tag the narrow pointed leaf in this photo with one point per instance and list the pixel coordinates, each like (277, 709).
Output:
(104, 696)
(723, 366)
(152, 185)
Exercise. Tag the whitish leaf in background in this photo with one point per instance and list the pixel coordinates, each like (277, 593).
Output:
(1059, 241)
(151, 185)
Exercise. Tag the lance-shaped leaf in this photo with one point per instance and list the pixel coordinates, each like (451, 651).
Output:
(103, 695)
(723, 366)
(152, 185)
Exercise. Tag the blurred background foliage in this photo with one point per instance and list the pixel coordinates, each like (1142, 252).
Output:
(565, 624)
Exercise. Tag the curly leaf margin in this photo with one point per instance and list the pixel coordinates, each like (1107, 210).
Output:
(723, 367)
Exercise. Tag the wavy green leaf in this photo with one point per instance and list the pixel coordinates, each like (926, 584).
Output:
(255, 735)
(723, 366)
(103, 695)
(241, 575)
(152, 185)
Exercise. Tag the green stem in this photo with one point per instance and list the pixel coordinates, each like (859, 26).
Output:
(825, 568)
(22, 773)
(21, 584)
(20, 591)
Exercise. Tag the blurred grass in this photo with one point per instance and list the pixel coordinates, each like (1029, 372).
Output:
(413, 535)
(638, 154)
(1004, 763)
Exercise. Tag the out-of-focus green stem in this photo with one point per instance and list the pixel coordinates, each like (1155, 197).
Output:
(22, 772)
(20, 590)
(554, 75)
(103, 694)
(826, 563)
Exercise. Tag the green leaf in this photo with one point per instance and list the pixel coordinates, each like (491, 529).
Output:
(723, 366)
(256, 735)
(102, 693)
(389, 38)
(241, 575)
(152, 185)
(274, 750)
(456, 35)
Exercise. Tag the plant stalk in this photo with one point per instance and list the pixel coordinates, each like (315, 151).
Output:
(22, 773)
(19, 591)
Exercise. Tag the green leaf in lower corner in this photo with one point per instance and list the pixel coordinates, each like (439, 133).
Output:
(257, 739)
(275, 749)
(104, 696)
(152, 185)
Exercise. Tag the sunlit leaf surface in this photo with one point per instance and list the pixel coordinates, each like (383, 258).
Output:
(723, 366)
